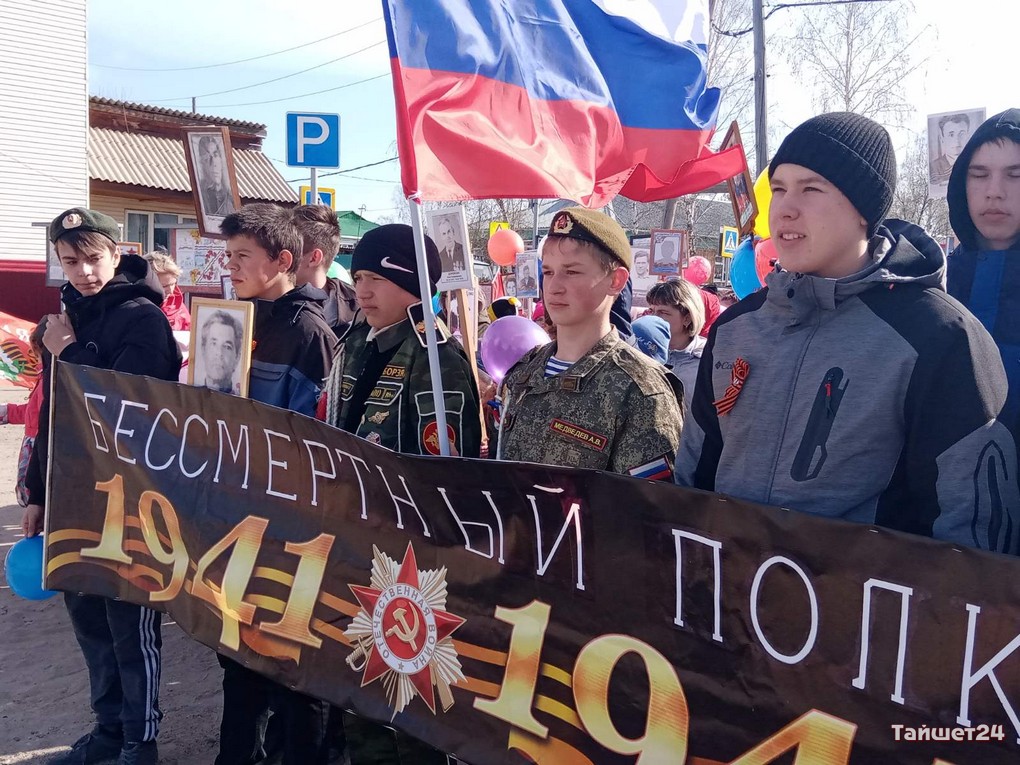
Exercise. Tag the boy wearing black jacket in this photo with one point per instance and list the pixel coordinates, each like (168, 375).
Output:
(113, 321)
(292, 356)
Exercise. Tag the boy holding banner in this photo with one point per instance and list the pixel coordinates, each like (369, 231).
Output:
(293, 351)
(112, 321)
(853, 386)
(589, 399)
(381, 390)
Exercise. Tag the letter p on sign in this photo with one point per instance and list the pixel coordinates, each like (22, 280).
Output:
(313, 139)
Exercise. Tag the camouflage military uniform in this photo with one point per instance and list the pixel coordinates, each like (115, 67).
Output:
(399, 412)
(612, 410)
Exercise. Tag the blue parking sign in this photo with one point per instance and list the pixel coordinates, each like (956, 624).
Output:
(313, 139)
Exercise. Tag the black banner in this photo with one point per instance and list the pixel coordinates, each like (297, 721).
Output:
(509, 613)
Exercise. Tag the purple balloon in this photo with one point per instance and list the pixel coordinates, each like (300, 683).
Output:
(506, 341)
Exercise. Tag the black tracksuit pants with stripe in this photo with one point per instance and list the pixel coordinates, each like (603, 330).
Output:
(121, 643)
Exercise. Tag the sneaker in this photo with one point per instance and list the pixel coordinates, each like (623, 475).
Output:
(139, 753)
(98, 747)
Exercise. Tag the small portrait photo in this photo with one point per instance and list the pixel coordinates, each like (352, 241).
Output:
(668, 251)
(641, 276)
(213, 178)
(228, 288)
(948, 133)
(526, 273)
(510, 286)
(448, 229)
(745, 207)
(220, 350)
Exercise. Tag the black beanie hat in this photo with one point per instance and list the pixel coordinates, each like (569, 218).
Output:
(389, 251)
(852, 153)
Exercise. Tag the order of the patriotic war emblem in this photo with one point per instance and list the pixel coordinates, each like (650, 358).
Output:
(402, 633)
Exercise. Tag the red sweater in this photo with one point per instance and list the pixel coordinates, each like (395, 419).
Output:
(176, 312)
(27, 414)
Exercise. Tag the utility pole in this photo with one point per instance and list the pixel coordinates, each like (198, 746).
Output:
(761, 138)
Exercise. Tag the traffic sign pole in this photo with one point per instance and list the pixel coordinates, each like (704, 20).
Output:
(315, 186)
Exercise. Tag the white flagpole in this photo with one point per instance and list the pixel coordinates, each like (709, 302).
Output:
(438, 399)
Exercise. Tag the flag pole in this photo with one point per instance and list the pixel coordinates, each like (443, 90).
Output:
(438, 399)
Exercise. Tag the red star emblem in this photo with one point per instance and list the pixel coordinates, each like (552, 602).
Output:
(406, 628)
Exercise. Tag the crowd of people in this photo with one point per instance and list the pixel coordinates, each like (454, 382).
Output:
(856, 385)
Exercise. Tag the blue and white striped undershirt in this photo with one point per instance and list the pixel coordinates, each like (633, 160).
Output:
(554, 366)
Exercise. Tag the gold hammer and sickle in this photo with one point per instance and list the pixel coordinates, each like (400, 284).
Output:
(405, 633)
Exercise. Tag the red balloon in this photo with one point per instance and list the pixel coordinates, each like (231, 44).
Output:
(504, 246)
(765, 257)
(699, 270)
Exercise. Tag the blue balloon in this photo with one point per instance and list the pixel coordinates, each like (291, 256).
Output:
(436, 308)
(743, 273)
(24, 566)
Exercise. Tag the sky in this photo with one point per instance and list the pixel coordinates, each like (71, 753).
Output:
(968, 50)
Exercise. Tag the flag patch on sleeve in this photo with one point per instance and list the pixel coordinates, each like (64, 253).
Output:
(656, 470)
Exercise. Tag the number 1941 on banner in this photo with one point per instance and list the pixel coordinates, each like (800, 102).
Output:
(243, 542)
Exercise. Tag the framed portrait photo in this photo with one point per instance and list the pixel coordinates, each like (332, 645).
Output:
(227, 287)
(210, 160)
(219, 353)
(448, 229)
(745, 207)
(668, 251)
(641, 276)
(526, 272)
(948, 133)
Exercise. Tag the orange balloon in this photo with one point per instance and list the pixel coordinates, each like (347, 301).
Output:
(504, 246)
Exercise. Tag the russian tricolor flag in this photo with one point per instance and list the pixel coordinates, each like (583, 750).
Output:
(579, 99)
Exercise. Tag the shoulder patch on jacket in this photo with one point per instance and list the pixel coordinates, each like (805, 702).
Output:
(416, 313)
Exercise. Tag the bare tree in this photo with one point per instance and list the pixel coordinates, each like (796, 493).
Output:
(856, 57)
(731, 65)
(912, 202)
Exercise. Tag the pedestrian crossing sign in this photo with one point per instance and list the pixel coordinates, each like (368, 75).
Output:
(326, 196)
(728, 239)
(497, 225)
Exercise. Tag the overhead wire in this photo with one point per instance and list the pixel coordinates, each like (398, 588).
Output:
(348, 170)
(267, 82)
(301, 95)
(240, 60)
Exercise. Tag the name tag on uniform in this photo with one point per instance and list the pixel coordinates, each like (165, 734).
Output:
(577, 433)
(347, 387)
(570, 383)
(384, 393)
(392, 372)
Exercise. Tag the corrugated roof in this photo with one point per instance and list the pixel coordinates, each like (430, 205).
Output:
(188, 117)
(158, 162)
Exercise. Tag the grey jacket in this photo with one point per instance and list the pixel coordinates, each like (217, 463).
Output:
(684, 364)
(872, 398)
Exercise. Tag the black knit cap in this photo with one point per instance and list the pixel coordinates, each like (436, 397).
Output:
(852, 153)
(389, 251)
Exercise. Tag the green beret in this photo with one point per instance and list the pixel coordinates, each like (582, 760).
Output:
(595, 227)
(80, 219)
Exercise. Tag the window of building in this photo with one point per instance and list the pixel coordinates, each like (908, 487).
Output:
(153, 229)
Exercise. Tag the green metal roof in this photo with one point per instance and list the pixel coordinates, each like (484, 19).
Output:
(352, 224)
